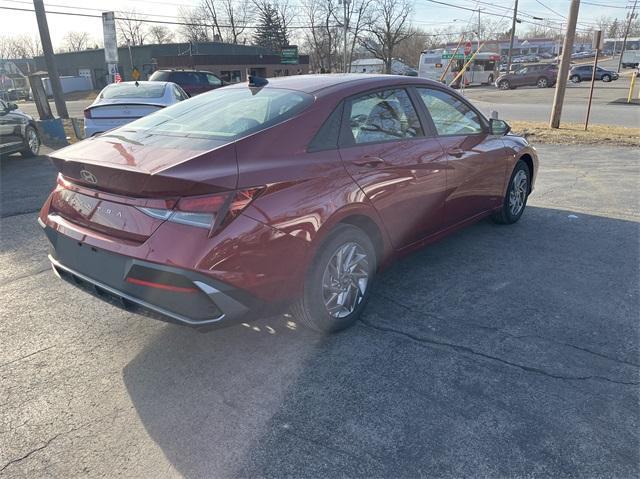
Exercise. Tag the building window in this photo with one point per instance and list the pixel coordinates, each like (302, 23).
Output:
(231, 76)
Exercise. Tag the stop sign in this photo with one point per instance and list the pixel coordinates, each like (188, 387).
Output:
(467, 48)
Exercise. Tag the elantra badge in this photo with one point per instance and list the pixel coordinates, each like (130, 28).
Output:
(88, 176)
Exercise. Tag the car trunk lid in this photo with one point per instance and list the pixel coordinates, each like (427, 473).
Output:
(109, 183)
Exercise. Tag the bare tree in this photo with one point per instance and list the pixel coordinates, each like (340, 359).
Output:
(322, 34)
(131, 28)
(389, 27)
(19, 46)
(218, 20)
(76, 41)
(238, 15)
(359, 16)
(194, 30)
(160, 34)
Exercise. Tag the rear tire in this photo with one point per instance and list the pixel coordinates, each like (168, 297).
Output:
(490, 80)
(515, 200)
(333, 299)
(32, 140)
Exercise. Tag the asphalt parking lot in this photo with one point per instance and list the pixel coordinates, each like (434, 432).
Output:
(502, 351)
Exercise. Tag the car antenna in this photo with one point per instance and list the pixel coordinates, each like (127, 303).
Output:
(256, 83)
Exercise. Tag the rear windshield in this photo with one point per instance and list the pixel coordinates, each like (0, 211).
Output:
(225, 113)
(130, 90)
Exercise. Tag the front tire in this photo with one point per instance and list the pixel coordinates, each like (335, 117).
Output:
(516, 197)
(542, 82)
(338, 282)
(606, 78)
(504, 85)
(32, 140)
(575, 78)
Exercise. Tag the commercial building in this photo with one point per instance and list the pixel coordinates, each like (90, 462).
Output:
(227, 60)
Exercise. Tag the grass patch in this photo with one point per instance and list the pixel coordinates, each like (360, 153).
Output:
(574, 134)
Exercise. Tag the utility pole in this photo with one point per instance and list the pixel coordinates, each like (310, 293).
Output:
(563, 70)
(626, 33)
(47, 48)
(345, 6)
(513, 35)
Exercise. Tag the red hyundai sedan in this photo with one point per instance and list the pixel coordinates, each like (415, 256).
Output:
(288, 192)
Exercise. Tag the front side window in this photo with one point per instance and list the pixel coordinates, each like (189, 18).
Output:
(450, 115)
(383, 116)
(224, 114)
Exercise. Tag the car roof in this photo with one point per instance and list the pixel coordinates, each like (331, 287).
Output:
(331, 81)
(142, 83)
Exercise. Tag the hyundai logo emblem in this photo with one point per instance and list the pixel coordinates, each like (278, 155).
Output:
(88, 176)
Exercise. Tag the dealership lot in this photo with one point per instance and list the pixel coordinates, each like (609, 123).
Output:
(501, 351)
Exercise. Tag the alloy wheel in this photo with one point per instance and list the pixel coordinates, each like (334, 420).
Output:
(518, 193)
(542, 83)
(504, 85)
(345, 280)
(33, 141)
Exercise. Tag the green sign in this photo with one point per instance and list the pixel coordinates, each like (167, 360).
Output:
(457, 56)
(289, 55)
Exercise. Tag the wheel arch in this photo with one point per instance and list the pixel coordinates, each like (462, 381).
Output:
(370, 227)
(529, 162)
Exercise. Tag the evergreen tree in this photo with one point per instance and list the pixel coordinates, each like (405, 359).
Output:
(271, 32)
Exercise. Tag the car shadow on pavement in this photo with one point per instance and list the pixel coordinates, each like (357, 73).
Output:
(500, 351)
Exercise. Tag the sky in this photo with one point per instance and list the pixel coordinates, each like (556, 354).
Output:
(427, 14)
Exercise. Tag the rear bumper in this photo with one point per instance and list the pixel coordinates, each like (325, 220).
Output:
(162, 292)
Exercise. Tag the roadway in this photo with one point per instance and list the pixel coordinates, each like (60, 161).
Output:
(502, 351)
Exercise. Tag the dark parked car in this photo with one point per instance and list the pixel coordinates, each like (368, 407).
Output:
(542, 75)
(191, 81)
(292, 191)
(585, 72)
(18, 132)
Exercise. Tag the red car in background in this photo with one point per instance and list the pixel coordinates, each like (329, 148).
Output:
(193, 82)
(294, 191)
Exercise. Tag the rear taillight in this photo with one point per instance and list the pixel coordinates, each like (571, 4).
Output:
(209, 212)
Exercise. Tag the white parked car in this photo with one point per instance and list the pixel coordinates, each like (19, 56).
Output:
(121, 103)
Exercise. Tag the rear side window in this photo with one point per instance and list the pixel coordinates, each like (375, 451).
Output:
(159, 76)
(211, 79)
(450, 115)
(225, 114)
(383, 116)
(186, 78)
(130, 90)
(329, 133)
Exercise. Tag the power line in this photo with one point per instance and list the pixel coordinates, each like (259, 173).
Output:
(164, 22)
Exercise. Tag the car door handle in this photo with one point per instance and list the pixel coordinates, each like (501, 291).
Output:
(371, 161)
(457, 152)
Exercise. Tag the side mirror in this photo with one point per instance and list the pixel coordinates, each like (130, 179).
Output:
(498, 127)
(11, 106)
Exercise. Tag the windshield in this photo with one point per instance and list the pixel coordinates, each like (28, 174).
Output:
(130, 90)
(225, 113)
